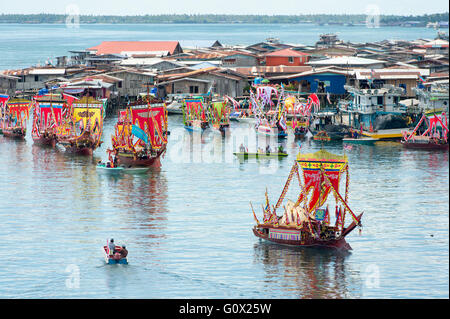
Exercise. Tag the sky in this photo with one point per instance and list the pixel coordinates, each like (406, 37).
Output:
(266, 7)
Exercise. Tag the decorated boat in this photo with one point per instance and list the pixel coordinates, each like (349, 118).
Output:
(194, 114)
(3, 114)
(322, 136)
(270, 117)
(47, 116)
(81, 129)
(140, 136)
(219, 116)
(269, 128)
(435, 135)
(15, 116)
(307, 221)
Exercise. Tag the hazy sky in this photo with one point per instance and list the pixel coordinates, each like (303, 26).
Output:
(140, 7)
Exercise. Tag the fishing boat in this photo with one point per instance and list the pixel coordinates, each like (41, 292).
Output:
(81, 129)
(246, 155)
(47, 115)
(114, 259)
(15, 117)
(194, 114)
(377, 112)
(219, 116)
(435, 136)
(360, 140)
(140, 136)
(307, 221)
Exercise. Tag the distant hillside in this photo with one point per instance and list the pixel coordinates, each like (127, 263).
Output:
(420, 20)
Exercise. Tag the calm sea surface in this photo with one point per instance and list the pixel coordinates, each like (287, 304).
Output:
(188, 225)
(25, 45)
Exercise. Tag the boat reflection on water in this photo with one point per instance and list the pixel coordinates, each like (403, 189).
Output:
(308, 273)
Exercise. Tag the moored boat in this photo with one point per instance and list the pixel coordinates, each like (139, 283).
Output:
(15, 115)
(306, 222)
(47, 115)
(219, 116)
(194, 114)
(360, 140)
(435, 136)
(81, 129)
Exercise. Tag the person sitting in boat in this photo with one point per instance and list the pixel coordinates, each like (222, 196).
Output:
(268, 149)
(280, 149)
(123, 252)
(242, 148)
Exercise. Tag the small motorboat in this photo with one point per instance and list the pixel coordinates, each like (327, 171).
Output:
(135, 169)
(360, 140)
(116, 257)
(104, 168)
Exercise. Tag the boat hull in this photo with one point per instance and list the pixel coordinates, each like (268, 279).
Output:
(110, 170)
(260, 155)
(362, 140)
(128, 159)
(14, 133)
(339, 243)
(110, 260)
(45, 141)
(425, 146)
(295, 237)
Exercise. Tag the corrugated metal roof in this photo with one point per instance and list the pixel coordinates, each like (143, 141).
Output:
(134, 46)
(47, 71)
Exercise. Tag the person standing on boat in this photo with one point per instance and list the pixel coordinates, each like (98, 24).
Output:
(111, 247)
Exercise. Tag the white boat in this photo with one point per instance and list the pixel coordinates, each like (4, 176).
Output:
(250, 120)
(174, 108)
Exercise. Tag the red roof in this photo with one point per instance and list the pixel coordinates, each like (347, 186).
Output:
(287, 53)
(116, 47)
